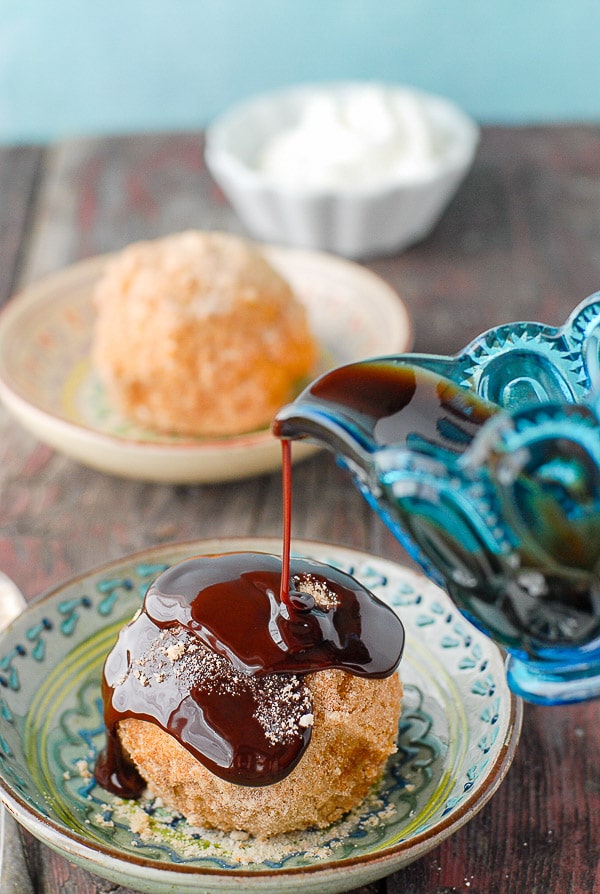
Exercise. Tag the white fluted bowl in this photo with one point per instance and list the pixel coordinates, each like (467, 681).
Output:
(356, 219)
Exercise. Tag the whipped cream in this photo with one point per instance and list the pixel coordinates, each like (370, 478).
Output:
(356, 137)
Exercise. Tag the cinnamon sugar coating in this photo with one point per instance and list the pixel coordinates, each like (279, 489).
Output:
(354, 726)
(197, 334)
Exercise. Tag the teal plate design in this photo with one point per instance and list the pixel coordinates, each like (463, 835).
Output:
(458, 734)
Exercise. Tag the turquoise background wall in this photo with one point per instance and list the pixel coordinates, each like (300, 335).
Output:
(70, 67)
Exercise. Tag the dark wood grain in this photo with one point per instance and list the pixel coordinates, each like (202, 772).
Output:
(520, 240)
(19, 170)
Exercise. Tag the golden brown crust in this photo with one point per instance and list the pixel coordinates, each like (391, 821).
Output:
(196, 333)
(355, 726)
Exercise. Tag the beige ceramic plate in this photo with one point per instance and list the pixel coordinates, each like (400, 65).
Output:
(457, 737)
(47, 382)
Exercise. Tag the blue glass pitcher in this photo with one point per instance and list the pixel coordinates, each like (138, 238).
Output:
(486, 467)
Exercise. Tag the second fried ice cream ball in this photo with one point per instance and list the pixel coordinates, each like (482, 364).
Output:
(197, 334)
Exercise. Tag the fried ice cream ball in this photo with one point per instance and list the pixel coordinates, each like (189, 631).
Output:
(197, 334)
(354, 728)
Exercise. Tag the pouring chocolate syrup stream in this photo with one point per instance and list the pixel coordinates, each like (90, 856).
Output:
(286, 472)
(262, 623)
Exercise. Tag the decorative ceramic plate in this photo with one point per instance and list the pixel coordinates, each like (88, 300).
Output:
(458, 733)
(47, 381)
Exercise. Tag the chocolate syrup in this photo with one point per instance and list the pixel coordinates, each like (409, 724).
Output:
(387, 403)
(218, 655)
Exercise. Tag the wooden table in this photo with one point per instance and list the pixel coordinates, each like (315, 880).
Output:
(520, 241)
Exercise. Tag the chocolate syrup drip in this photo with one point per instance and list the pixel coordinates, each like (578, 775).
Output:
(218, 654)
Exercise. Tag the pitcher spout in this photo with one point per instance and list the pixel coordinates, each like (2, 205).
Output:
(329, 428)
(370, 406)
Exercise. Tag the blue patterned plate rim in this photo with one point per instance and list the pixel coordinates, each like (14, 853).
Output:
(421, 605)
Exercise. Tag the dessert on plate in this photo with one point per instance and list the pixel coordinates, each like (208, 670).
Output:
(197, 334)
(250, 699)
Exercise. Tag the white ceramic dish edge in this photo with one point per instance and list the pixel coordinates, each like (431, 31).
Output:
(186, 461)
